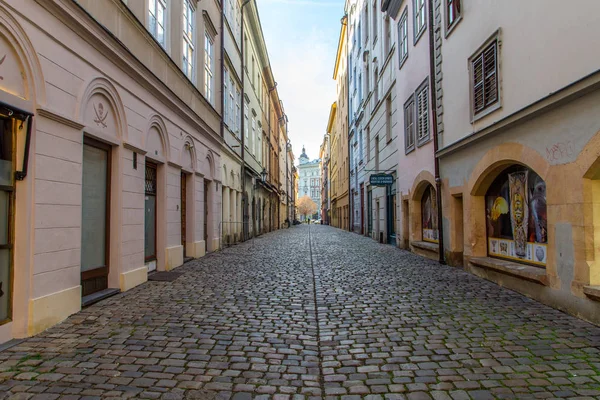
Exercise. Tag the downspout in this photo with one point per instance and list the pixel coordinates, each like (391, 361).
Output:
(350, 198)
(438, 181)
(222, 124)
(242, 129)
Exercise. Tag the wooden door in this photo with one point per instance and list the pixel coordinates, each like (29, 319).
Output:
(7, 203)
(95, 224)
(205, 215)
(362, 209)
(183, 212)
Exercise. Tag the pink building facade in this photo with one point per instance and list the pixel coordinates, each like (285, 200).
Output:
(123, 158)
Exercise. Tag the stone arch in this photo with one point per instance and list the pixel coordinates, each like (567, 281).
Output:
(224, 180)
(27, 81)
(93, 112)
(501, 157)
(157, 139)
(491, 165)
(188, 154)
(420, 183)
(210, 160)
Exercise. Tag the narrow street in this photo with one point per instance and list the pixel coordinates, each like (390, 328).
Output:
(294, 315)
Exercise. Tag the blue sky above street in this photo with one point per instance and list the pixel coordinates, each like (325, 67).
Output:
(302, 38)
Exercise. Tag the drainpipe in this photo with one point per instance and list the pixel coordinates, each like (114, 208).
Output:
(222, 69)
(438, 181)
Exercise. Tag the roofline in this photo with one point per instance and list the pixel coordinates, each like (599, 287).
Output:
(341, 43)
(331, 116)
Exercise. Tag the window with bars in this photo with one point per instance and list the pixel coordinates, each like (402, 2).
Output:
(409, 125)
(403, 37)
(208, 67)
(484, 78)
(157, 20)
(453, 12)
(422, 112)
(189, 23)
(150, 181)
(419, 18)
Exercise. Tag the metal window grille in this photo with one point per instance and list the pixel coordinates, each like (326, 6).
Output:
(150, 180)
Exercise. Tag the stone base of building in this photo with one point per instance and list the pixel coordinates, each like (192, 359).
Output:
(561, 299)
(49, 310)
(426, 249)
(174, 257)
(130, 279)
(454, 258)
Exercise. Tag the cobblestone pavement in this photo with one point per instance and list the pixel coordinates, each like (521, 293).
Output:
(243, 323)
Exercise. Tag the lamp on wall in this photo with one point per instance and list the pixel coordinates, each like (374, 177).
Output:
(263, 175)
(23, 120)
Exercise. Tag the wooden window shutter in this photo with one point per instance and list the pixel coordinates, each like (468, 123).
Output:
(485, 78)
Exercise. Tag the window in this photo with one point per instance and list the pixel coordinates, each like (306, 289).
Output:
(238, 16)
(376, 152)
(157, 20)
(208, 67)
(409, 125)
(376, 84)
(374, 21)
(253, 73)
(360, 89)
(453, 12)
(419, 22)
(403, 37)
(359, 30)
(226, 115)
(360, 144)
(254, 138)
(422, 98)
(231, 103)
(188, 39)
(238, 99)
(366, 23)
(517, 226)
(388, 35)
(246, 123)
(429, 215)
(368, 143)
(388, 119)
(484, 78)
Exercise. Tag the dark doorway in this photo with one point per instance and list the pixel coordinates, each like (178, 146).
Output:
(362, 209)
(95, 223)
(206, 183)
(150, 215)
(183, 213)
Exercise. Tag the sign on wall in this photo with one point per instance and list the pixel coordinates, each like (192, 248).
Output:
(381, 180)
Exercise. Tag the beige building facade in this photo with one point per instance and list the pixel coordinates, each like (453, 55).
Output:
(519, 148)
(114, 157)
(337, 127)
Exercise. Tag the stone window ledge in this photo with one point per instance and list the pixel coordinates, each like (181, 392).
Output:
(434, 247)
(592, 292)
(527, 272)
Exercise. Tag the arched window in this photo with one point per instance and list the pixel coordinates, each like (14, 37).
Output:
(516, 216)
(429, 215)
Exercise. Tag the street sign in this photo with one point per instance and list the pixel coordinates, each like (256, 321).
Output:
(381, 180)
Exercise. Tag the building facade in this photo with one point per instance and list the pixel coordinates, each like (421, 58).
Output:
(325, 156)
(118, 156)
(337, 128)
(372, 108)
(418, 228)
(309, 181)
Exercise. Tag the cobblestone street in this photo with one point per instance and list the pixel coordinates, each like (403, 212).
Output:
(243, 323)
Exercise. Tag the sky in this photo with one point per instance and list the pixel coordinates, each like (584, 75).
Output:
(302, 38)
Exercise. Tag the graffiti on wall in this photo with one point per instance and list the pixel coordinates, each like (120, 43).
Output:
(561, 151)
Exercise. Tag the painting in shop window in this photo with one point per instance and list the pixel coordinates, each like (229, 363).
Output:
(429, 215)
(517, 226)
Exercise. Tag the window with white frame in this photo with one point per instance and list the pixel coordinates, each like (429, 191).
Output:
(226, 115)
(246, 123)
(254, 139)
(422, 100)
(409, 125)
(484, 79)
(387, 42)
(231, 103)
(375, 16)
(189, 25)
(419, 18)
(157, 20)
(208, 67)
(238, 99)
(403, 37)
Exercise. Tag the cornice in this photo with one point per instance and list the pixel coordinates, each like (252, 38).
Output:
(58, 117)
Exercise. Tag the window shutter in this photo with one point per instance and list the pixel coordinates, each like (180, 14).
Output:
(478, 103)
(491, 83)
(423, 127)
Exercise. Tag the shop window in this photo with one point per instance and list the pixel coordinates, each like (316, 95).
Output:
(516, 216)
(429, 215)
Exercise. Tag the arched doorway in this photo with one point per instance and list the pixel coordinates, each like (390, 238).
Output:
(429, 215)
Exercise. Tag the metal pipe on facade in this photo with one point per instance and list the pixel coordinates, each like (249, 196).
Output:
(242, 125)
(438, 181)
(350, 198)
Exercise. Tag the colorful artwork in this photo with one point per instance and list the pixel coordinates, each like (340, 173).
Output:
(429, 215)
(516, 216)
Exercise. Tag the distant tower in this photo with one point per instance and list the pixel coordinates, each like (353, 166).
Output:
(303, 157)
